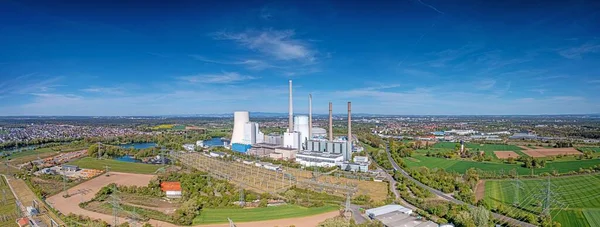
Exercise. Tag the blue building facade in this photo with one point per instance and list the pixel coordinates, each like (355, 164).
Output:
(243, 148)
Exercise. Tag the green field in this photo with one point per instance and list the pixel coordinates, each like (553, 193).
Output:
(461, 166)
(594, 149)
(209, 216)
(117, 166)
(488, 149)
(581, 194)
(7, 205)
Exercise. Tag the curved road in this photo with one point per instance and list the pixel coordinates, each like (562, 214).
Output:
(450, 198)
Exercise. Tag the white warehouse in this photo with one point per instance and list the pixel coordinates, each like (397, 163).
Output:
(308, 159)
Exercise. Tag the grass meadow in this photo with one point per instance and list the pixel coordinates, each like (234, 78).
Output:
(210, 216)
(117, 166)
(580, 194)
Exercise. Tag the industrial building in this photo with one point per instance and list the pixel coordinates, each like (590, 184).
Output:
(397, 216)
(171, 189)
(245, 133)
(309, 146)
(307, 158)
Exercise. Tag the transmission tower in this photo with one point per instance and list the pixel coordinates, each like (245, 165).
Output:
(99, 150)
(3, 196)
(135, 217)
(549, 198)
(64, 177)
(518, 187)
(115, 206)
(347, 208)
(231, 224)
(242, 198)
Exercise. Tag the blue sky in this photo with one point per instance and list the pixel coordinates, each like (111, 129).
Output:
(394, 57)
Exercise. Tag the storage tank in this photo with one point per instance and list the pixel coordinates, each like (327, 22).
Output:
(239, 121)
(301, 126)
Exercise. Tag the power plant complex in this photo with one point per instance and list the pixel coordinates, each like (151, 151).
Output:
(301, 142)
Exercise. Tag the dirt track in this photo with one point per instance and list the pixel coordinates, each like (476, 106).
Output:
(86, 191)
(506, 154)
(480, 190)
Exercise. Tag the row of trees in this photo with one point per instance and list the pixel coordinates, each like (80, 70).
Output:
(448, 182)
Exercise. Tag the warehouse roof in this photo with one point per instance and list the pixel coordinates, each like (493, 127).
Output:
(387, 209)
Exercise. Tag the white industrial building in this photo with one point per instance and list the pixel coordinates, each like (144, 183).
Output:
(372, 213)
(291, 140)
(301, 126)
(307, 158)
(245, 133)
(199, 143)
(398, 216)
(189, 147)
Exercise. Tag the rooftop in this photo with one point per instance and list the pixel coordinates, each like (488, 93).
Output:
(170, 186)
(318, 154)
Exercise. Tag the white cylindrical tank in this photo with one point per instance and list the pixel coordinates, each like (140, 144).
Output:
(240, 118)
(301, 126)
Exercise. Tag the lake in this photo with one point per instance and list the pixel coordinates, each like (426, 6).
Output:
(127, 158)
(138, 145)
(214, 142)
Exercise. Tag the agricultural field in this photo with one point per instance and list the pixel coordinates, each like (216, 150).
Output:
(594, 149)
(116, 166)
(580, 194)
(162, 127)
(488, 149)
(210, 216)
(31, 155)
(460, 166)
(8, 208)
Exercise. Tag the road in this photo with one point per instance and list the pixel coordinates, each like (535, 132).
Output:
(450, 198)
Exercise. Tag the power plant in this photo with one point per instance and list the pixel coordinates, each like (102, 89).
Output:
(300, 142)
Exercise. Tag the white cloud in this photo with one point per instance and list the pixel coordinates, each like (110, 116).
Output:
(254, 64)
(485, 84)
(104, 90)
(279, 44)
(223, 78)
(567, 98)
(578, 52)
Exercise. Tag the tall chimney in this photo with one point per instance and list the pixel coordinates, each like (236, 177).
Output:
(349, 126)
(291, 112)
(330, 122)
(309, 116)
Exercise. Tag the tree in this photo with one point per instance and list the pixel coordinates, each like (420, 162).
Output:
(481, 216)
(510, 160)
(93, 150)
(464, 218)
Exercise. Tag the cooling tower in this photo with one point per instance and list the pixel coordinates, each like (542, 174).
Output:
(301, 126)
(240, 118)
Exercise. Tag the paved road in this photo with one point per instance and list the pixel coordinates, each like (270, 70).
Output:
(358, 218)
(450, 198)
